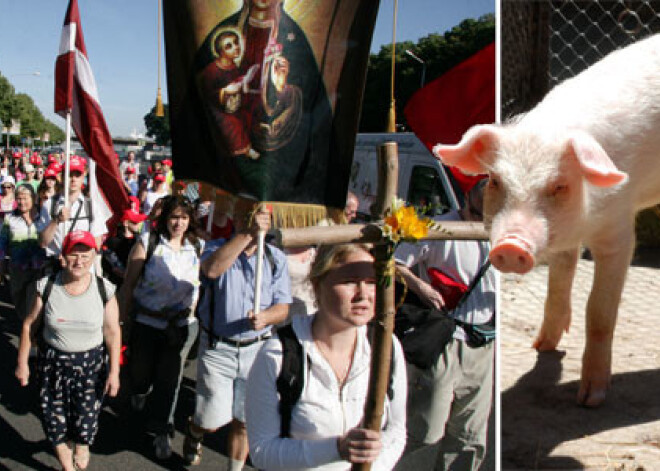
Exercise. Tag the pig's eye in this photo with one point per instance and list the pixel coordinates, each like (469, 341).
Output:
(559, 189)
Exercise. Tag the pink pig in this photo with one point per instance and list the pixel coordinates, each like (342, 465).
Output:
(574, 170)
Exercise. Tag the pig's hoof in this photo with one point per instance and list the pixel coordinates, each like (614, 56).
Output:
(545, 342)
(591, 396)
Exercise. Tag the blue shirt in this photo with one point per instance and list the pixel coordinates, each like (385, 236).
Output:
(234, 292)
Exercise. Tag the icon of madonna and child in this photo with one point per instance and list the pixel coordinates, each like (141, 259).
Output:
(262, 88)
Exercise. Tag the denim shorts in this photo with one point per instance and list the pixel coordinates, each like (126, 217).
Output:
(222, 374)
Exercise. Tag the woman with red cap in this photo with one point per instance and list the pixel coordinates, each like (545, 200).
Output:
(80, 341)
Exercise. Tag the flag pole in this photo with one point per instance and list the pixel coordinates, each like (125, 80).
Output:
(391, 121)
(67, 152)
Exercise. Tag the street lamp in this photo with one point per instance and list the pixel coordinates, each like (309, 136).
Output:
(411, 54)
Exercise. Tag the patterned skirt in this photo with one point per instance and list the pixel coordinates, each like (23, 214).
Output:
(71, 388)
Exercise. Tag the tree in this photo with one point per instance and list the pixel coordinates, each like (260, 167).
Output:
(158, 128)
(440, 52)
(21, 106)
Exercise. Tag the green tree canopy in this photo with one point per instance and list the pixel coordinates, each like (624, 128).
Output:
(21, 106)
(158, 128)
(440, 52)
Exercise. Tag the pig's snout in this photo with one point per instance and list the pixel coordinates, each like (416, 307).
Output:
(512, 254)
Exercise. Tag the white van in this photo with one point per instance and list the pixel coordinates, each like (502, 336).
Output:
(423, 180)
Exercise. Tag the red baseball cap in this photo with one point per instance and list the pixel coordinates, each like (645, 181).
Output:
(50, 172)
(77, 163)
(52, 159)
(35, 160)
(159, 177)
(77, 238)
(133, 214)
(17, 155)
(55, 167)
(167, 162)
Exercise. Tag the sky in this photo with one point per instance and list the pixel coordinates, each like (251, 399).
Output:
(121, 41)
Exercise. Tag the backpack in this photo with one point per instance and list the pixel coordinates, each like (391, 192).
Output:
(290, 381)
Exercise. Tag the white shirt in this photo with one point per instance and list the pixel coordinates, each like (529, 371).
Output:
(170, 281)
(151, 199)
(97, 227)
(323, 412)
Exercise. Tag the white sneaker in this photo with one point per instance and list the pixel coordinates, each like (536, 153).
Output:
(163, 446)
(138, 401)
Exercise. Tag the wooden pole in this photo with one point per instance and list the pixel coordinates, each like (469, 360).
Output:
(383, 324)
(388, 178)
(354, 233)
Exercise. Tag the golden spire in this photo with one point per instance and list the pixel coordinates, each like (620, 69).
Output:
(160, 111)
(391, 119)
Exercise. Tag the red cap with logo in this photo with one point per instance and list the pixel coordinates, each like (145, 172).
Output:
(77, 238)
(77, 164)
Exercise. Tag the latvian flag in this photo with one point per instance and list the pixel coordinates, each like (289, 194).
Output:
(75, 93)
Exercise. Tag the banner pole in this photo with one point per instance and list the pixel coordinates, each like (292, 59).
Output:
(67, 152)
(209, 222)
(261, 242)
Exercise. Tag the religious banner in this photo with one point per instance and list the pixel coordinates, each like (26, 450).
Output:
(265, 96)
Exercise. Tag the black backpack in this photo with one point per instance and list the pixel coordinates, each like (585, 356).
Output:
(290, 381)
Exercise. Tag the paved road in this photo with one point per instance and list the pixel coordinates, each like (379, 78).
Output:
(121, 443)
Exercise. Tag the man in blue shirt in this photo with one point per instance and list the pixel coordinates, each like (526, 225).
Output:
(232, 333)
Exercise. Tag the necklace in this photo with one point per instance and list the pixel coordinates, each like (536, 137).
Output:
(340, 371)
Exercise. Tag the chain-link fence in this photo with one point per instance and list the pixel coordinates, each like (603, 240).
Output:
(545, 42)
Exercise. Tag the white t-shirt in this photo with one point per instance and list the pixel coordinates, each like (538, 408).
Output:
(151, 199)
(94, 223)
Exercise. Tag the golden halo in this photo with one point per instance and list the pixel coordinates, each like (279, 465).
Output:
(226, 29)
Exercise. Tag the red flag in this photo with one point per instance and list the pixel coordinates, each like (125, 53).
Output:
(448, 106)
(75, 92)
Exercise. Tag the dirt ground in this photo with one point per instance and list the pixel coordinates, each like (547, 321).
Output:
(542, 427)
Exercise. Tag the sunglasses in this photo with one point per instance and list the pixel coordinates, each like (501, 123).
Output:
(7, 186)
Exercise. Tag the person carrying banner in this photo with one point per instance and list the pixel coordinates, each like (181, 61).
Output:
(450, 402)
(232, 333)
(56, 221)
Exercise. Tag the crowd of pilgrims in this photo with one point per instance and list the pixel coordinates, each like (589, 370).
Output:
(178, 271)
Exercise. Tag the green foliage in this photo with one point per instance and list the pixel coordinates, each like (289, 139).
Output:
(20, 106)
(440, 52)
(158, 128)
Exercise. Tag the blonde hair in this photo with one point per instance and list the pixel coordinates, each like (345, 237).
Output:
(329, 257)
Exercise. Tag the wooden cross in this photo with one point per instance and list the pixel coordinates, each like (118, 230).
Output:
(381, 345)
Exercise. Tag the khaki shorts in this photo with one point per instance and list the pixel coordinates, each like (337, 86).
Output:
(222, 375)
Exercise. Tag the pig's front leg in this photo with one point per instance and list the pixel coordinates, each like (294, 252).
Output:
(611, 264)
(557, 315)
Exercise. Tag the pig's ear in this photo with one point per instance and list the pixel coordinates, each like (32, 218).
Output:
(597, 167)
(470, 154)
